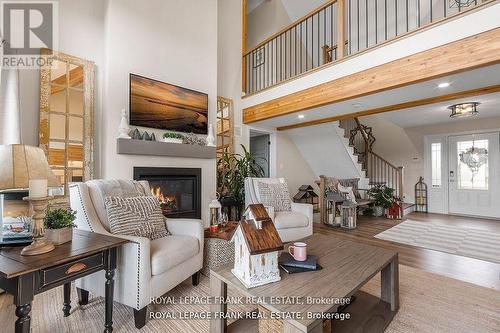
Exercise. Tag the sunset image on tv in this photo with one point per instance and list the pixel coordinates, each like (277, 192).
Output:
(161, 105)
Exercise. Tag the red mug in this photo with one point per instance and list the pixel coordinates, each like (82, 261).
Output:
(298, 251)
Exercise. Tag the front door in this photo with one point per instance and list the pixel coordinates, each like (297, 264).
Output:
(474, 177)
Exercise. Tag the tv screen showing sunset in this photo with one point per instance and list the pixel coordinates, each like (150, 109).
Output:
(161, 105)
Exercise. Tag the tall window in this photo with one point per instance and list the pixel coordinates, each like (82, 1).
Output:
(436, 164)
(472, 175)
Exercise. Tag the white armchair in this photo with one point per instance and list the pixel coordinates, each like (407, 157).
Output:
(291, 226)
(145, 268)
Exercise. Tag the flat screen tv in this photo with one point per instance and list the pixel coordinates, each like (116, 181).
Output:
(164, 106)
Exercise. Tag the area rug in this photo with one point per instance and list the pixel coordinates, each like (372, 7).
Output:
(429, 303)
(468, 242)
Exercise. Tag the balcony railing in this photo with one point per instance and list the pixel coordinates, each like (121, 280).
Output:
(339, 29)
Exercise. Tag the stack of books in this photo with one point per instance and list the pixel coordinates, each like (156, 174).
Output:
(290, 265)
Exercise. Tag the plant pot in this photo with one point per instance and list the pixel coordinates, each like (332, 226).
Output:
(59, 236)
(378, 211)
(172, 140)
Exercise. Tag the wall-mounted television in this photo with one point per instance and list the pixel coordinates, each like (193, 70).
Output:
(161, 105)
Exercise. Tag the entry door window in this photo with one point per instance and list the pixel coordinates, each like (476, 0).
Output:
(473, 167)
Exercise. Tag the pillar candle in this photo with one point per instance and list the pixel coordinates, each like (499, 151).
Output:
(38, 188)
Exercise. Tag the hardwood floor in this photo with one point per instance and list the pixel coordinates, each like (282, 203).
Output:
(479, 272)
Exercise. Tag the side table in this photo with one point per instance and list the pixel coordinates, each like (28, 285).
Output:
(218, 251)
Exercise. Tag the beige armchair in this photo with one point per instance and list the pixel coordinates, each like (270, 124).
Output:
(145, 268)
(292, 225)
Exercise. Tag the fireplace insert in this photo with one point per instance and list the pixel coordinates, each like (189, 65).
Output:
(178, 189)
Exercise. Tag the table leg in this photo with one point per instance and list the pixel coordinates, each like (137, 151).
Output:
(23, 321)
(218, 292)
(390, 284)
(109, 288)
(67, 299)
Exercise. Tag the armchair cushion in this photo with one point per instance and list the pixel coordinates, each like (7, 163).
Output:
(136, 216)
(285, 220)
(170, 251)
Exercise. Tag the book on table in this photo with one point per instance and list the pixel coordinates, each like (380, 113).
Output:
(286, 259)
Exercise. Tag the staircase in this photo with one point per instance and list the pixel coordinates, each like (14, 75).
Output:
(378, 170)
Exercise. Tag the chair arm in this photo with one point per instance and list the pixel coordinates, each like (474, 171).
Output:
(306, 209)
(187, 227)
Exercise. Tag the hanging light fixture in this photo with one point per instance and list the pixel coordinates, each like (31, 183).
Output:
(464, 110)
(461, 3)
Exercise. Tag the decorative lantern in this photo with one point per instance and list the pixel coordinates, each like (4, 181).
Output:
(333, 202)
(349, 214)
(215, 209)
(256, 248)
(421, 196)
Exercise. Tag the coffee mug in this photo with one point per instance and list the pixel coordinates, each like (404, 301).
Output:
(298, 251)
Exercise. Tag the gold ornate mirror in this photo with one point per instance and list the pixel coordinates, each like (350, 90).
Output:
(66, 116)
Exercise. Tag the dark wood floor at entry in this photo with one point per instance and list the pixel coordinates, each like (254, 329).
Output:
(483, 273)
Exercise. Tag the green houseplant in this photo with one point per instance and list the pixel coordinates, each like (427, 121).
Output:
(173, 137)
(232, 169)
(384, 198)
(59, 224)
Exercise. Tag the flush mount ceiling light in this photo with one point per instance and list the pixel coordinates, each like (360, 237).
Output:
(444, 85)
(301, 116)
(464, 110)
(461, 3)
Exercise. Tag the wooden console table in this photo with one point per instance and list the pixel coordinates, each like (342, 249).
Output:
(26, 276)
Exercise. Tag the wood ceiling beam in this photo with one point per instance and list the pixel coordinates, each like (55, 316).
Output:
(459, 56)
(400, 106)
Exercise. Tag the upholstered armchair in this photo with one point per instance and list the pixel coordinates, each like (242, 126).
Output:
(291, 225)
(145, 268)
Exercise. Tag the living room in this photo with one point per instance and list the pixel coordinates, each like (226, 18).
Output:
(154, 130)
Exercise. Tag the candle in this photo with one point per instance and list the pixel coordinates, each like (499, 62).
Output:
(38, 188)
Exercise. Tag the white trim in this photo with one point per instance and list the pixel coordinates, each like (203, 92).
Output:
(272, 148)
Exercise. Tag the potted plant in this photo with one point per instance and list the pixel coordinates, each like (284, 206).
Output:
(384, 198)
(232, 169)
(173, 137)
(59, 224)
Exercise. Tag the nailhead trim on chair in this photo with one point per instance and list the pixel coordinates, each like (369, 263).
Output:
(83, 206)
(138, 273)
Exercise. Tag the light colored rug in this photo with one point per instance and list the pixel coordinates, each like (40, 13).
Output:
(468, 242)
(429, 303)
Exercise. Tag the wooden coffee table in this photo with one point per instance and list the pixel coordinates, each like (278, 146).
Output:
(347, 266)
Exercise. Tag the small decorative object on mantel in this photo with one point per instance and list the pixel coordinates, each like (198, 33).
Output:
(123, 129)
(136, 135)
(257, 245)
(211, 137)
(215, 209)
(421, 196)
(173, 137)
(59, 224)
(193, 139)
(349, 214)
(146, 136)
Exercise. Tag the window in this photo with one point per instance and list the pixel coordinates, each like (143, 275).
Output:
(472, 169)
(436, 164)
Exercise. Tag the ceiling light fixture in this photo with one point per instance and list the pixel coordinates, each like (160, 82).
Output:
(444, 85)
(301, 116)
(464, 110)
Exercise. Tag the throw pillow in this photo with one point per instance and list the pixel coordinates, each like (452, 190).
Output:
(348, 191)
(275, 195)
(136, 216)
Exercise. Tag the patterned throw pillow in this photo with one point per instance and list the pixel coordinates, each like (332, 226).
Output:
(136, 216)
(275, 195)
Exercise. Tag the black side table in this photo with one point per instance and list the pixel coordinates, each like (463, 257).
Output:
(26, 276)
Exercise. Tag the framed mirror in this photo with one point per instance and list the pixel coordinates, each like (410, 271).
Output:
(66, 116)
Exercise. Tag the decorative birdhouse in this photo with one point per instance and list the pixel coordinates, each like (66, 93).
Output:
(307, 195)
(256, 248)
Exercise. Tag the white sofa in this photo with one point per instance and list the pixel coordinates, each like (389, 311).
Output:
(145, 268)
(291, 226)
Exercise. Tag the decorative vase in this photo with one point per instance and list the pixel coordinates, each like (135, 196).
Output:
(123, 129)
(211, 137)
(59, 236)
(172, 140)
(378, 211)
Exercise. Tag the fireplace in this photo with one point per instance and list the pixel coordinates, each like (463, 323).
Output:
(178, 189)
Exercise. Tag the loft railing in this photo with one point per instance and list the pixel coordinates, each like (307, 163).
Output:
(339, 29)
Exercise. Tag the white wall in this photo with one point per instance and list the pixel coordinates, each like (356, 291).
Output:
(168, 40)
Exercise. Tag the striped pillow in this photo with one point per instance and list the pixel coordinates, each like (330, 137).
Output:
(136, 216)
(275, 195)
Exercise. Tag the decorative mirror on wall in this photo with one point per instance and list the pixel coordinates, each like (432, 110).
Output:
(66, 116)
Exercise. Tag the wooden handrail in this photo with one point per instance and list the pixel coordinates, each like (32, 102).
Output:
(290, 26)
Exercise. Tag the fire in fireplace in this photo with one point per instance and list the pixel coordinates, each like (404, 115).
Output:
(178, 189)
